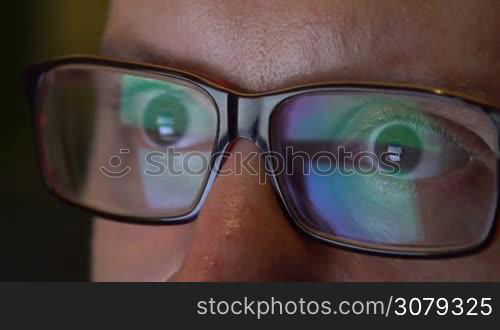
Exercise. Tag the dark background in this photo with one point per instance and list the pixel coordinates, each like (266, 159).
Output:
(41, 239)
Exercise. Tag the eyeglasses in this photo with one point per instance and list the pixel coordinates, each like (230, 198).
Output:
(398, 170)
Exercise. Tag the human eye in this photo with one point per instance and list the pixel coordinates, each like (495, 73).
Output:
(165, 114)
(164, 130)
(409, 141)
(427, 165)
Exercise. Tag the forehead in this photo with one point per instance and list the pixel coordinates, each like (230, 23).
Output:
(262, 45)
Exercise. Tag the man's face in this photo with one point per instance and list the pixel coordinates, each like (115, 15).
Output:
(241, 233)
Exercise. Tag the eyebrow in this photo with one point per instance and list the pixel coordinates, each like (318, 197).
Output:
(140, 51)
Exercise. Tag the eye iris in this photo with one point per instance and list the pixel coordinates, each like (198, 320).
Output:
(403, 145)
(165, 120)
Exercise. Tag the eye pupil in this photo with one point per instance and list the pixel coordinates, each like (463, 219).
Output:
(401, 145)
(165, 126)
(394, 152)
(165, 120)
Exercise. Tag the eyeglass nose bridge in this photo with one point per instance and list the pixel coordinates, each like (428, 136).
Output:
(249, 118)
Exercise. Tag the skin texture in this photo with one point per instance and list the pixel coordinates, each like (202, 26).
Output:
(255, 46)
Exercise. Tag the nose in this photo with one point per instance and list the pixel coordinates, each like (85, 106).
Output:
(241, 233)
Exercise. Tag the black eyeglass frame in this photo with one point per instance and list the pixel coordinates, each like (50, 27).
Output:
(247, 116)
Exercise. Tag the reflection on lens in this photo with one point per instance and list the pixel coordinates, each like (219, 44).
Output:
(146, 125)
(409, 178)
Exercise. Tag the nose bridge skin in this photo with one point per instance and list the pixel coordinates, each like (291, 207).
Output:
(241, 233)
